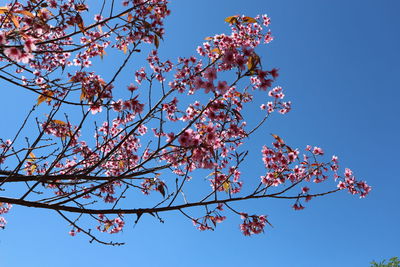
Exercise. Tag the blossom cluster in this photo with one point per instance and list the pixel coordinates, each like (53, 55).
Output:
(111, 226)
(253, 224)
(284, 164)
(4, 208)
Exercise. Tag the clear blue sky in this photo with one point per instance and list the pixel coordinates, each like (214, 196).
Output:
(339, 64)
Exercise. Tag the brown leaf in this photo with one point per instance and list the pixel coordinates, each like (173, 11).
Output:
(130, 17)
(14, 20)
(25, 12)
(216, 50)
(253, 61)
(79, 22)
(249, 20)
(232, 19)
(160, 188)
(81, 7)
(84, 95)
(59, 122)
(32, 157)
(46, 96)
(156, 41)
(277, 138)
(289, 148)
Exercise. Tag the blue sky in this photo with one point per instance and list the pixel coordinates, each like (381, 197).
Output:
(339, 65)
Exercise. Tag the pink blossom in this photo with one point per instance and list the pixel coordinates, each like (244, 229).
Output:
(208, 86)
(222, 87)
(274, 73)
(29, 45)
(305, 190)
(298, 206)
(186, 138)
(317, 151)
(210, 74)
(253, 224)
(72, 232)
(228, 57)
(98, 17)
(132, 88)
(13, 53)
(95, 108)
(3, 38)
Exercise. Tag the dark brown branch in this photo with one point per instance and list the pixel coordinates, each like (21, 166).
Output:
(146, 210)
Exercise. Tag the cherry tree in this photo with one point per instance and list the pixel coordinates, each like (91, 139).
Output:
(93, 140)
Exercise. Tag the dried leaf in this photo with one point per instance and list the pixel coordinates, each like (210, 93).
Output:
(277, 138)
(156, 41)
(121, 163)
(41, 99)
(44, 10)
(249, 20)
(107, 226)
(14, 20)
(160, 188)
(232, 19)
(130, 17)
(81, 7)
(25, 12)
(253, 61)
(226, 185)
(46, 96)
(213, 173)
(146, 25)
(4, 10)
(289, 148)
(84, 95)
(59, 122)
(216, 50)
(79, 22)
(32, 168)
(32, 157)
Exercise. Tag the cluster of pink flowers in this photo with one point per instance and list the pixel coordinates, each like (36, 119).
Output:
(4, 208)
(61, 129)
(284, 164)
(111, 226)
(253, 224)
(355, 187)
(157, 66)
(73, 232)
(208, 222)
(222, 182)
(17, 54)
(149, 185)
